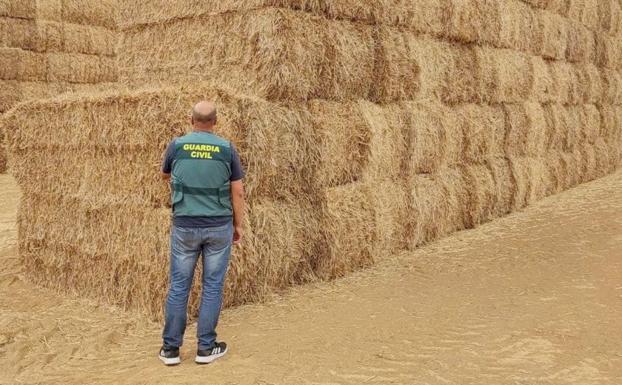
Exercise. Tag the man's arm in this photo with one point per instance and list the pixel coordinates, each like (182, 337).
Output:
(167, 161)
(238, 202)
(237, 195)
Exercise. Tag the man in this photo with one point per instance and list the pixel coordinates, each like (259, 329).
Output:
(208, 207)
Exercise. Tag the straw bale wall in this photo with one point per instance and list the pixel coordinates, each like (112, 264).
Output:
(366, 128)
(281, 54)
(312, 215)
(48, 47)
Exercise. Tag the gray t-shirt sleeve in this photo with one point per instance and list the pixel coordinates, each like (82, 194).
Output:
(237, 172)
(169, 156)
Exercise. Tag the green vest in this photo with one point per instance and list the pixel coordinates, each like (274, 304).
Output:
(200, 185)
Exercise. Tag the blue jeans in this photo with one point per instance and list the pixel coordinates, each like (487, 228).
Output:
(214, 243)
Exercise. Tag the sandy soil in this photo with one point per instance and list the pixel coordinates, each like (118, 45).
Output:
(534, 298)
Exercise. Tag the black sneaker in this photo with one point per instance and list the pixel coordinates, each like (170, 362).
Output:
(210, 355)
(170, 356)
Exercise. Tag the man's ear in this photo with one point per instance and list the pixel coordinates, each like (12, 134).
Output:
(215, 120)
(192, 120)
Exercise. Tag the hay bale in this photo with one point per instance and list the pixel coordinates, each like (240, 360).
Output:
(51, 36)
(542, 183)
(604, 164)
(611, 16)
(409, 66)
(345, 141)
(581, 43)
(439, 205)
(572, 138)
(611, 86)
(533, 181)
(23, 9)
(521, 177)
(18, 64)
(611, 131)
(10, 94)
(555, 115)
(43, 36)
(519, 27)
(362, 222)
(294, 149)
(554, 35)
(424, 16)
(585, 12)
(435, 138)
(617, 133)
(435, 59)
(77, 266)
(277, 54)
(590, 78)
(3, 162)
(504, 185)
(80, 68)
(527, 130)
(608, 51)
(397, 69)
(566, 83)
(608, 121)
(101, 13)
(462, 76)
(504, 76)
(388, 146)
(474, 21)
(543, 89)
(274, 262)
(392, 216)
(481, 192)
(49, 10)
(561, 7)
(348, 229)
(570, 126)
(91, 40)
(15, 91)
(557, 171)
(573, 168)
(18, 33)
(589, 117)
(587, 163)
(484, 131)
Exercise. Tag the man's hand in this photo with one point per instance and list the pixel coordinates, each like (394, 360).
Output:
(238, 233)
(238, 203)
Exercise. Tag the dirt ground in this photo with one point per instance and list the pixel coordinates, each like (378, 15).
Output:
(534, 298)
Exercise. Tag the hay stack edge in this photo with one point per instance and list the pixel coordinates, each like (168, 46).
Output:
(366, 128)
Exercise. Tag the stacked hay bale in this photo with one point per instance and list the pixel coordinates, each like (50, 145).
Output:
(366, 128)
(48, 47)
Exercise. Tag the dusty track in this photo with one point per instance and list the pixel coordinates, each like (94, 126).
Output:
(534, 298)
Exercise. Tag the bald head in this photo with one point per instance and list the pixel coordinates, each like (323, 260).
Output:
(204, 115)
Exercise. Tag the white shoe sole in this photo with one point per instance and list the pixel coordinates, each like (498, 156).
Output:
(209, 359)
(170, 361)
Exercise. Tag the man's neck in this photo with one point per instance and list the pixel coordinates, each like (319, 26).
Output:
(204, 130)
